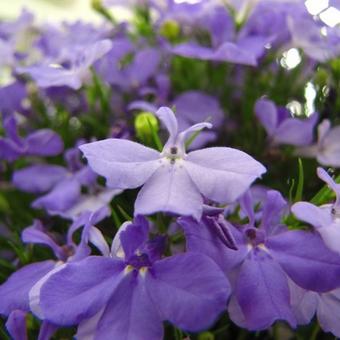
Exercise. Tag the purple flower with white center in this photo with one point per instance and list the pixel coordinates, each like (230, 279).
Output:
(266, 258)
(16, 293)
(173, 181)
(72, 71)
(191, 107)
(63, 187)
(327, 149)
(326, 218)
(326, 306)
(281, 127)
(44, 142)
(128, 294)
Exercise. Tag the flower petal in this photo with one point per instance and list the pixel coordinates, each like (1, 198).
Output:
(262, 292)
(170, 189)
(306, 259)
(189, 290)
(130, 313)
(80, 289)
(38, 178)
(266, 112)
(222, 174)
(16, 325)
(44, 142)
(169, 120)
(14, 291)
(123, 163)
(310, 213)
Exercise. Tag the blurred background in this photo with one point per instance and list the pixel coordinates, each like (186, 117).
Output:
(57, 10)
(52, 10)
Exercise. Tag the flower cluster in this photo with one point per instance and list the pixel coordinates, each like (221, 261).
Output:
(159, 176)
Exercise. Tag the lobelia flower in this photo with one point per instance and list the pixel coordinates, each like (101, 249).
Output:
(72, 70)
(14, 292)
(327, 149)
(44, 142)
(118, 70)
(192, 107)
(281, 127)
(127, 294)
(226, 45)
(63, 187)
(326, 218)
(326, 306)
(267, 257)
(173, 181)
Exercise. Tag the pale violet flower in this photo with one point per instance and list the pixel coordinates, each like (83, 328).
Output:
(173, 180)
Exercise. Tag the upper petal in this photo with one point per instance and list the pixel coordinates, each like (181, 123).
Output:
(312, 214)
(38, 178)
(168, 118)
(170, 189)
(222, 174)
(44, 142)
(266, 112)
(123, 163)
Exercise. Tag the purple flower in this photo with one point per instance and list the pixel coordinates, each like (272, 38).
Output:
(326, 306)
(20, 291)
(129, 293)
(266, 257)
(63, 187)
(118, 70)
(173, 181)
(281, 127)
(44, 142)
(226, 44)
(72, 70)
(327, 148)
(326, 218)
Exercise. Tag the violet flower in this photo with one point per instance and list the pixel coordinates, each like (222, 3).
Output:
(129, 293)
(173, 181)
(118, 70)
(281, 127)
(327, 149)
(44, 142)
(62, 187)
(266, 257)
(14, 293)
(326, 218)
(326, 306)
(71, 71)
(226, 44)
